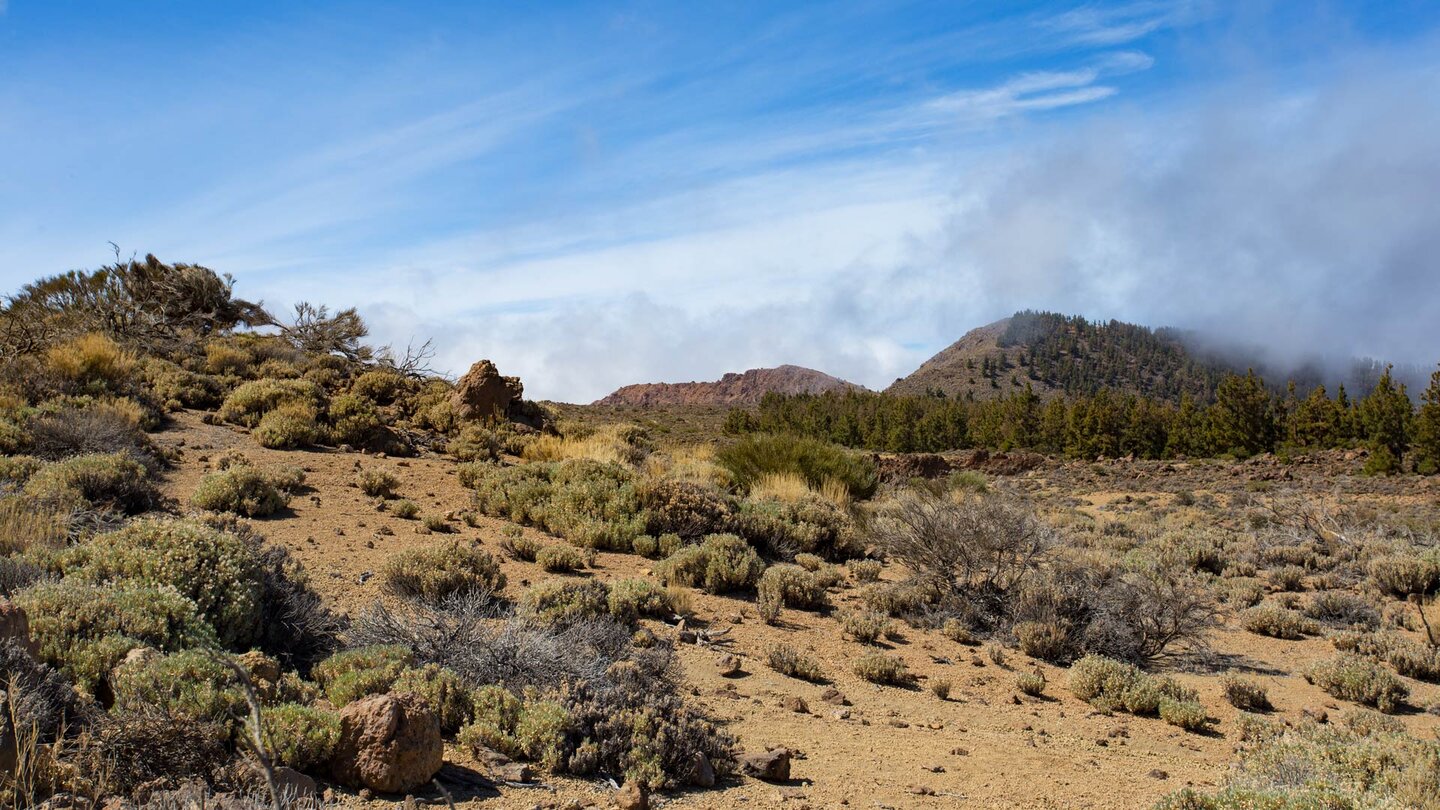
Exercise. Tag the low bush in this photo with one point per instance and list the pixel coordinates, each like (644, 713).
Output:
(249, 403)
(1405, 573)
(353, 421)
(405, 510)
(757, 455)
(218, 571)
(194, 684)
(443, 691)
(520, 547)
(99, 428)
(631, 599)
(435, 524)
(378, 386)
(243, 490)
(866, 626)
(114, 480)
(940, 688)
(865, 570)
(1278, 622)
(288, 426)
(439, 572)
(377, 483)
(84, 630)
(1343, 609)
(883, 669)
(532, 729)
(1244, 694)
(687, 509)
(352, 674)
(1411, 659)
(1047, 641)
(806, 525)
(1031, 683)
(789, 586)
(300, 737)
(560, 558)
(1187, 714)
(793, 663)
(1356, 678)
(1111, 685)
(560, 603)
(92, 363)
(722, 563)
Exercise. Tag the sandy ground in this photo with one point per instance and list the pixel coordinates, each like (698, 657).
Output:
(987, 746)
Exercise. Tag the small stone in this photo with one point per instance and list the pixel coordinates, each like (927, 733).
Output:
(1159, 774)
(921, 790)
(1315, 713)
(832, 696)
(795, 703)
(841, 714)
(934, 768)
(959, 752)
(772, 765)
(729, 666)
(633, 796)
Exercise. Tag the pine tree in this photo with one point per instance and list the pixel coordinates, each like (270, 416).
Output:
(1427, 429)
(1385, 416)
(1189, 431)
(1241, 420)
(1316, 421)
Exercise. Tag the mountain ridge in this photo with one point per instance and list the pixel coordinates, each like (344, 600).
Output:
(733, 388)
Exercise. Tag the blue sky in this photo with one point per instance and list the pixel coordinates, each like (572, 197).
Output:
(594, 194)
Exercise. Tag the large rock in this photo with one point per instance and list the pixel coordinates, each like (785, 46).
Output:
(388, 743)
(15, 625)
(483, 395)
(772, 765)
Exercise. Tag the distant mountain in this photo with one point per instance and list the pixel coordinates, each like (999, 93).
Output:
(732, 389)
(1054, 353)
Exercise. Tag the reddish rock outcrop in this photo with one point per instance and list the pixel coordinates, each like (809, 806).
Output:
(388, 743)
(737, 390)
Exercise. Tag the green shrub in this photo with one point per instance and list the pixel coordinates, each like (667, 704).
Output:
(288, 426)
(865, 626)
(790, 586)
(1355, 678)
(353, 421)
(115, 480)
(722, 563)
(1244, 694)
(1413, 660)
(1112, 685)
(883, 669)
(560, 558)
(1278, 622)
(560, 602)
(216, 570)
(811, 524)
(300, 737)
(242, 490)
(193, 684)
(684, 508)
(1187, 714)
(520, 547)
(435, 573)
(85, 630)
(632, 598)
(792, 663)
(757, 455)
(444, 692)
(350, 675)
(435, 524)
(378, 386)
(590, 503)
(406, 510)
(1047, 641)
(531, 729)
(251, 401)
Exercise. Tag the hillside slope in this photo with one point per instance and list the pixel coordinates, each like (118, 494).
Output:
(1055, 353)
(731, 389)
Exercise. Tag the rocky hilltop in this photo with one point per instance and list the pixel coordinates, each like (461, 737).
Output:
(731, 389)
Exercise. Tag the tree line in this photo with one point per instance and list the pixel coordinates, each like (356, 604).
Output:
(1244, 418)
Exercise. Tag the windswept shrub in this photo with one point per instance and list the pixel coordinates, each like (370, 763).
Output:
(114, 480)
(722, 563)
(352, 674)
(436, 573)
(757, 455)
(249, 403)
(243, 490)
(1355, 678)
(883, 669)
(300, 737)
(793, 663)
(219, 572)
(85, 630)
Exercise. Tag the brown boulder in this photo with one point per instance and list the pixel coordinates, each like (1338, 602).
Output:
(388, 743)
(633, 796)
(702, 773)
(483, 395)
(772, 765)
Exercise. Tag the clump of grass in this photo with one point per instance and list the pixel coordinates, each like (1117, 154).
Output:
(791, 662)
(435, 523)
(940, 688)
(883, 669)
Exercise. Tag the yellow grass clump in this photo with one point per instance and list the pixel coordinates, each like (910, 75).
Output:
(92, 357)
(606, 444)
(691, 463)
(792, 487)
